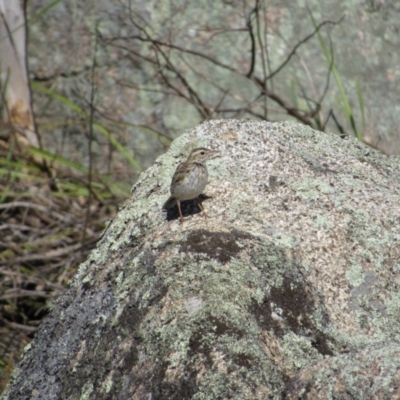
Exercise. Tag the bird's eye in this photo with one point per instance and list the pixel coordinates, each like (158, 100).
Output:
(202, 153)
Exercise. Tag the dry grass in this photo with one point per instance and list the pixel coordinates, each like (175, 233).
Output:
(50, 218)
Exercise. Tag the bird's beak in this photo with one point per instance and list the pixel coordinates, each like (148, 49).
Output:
(215, 154)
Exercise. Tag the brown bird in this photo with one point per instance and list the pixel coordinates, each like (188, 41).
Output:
(190, 179)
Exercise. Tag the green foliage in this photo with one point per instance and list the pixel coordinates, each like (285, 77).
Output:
(343, 100)
(96, 125)
(105, 186)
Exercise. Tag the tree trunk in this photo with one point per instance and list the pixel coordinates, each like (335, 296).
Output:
(289, 289)
(14, 82)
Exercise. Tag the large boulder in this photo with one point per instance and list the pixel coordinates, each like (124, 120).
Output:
(289, 289)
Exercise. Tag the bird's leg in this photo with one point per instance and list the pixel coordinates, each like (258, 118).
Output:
(201, 208)
(180, 211)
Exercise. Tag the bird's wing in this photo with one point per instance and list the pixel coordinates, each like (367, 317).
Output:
(181, 173)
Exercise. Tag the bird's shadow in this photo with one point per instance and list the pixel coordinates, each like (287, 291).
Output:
(188, 207)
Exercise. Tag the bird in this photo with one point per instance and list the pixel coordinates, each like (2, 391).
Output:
(190, 179)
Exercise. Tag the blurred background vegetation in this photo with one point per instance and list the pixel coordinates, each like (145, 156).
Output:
(114, 81)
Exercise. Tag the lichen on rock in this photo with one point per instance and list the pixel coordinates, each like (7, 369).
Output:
(289, 289)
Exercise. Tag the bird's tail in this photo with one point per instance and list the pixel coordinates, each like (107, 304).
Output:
(169, 203)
